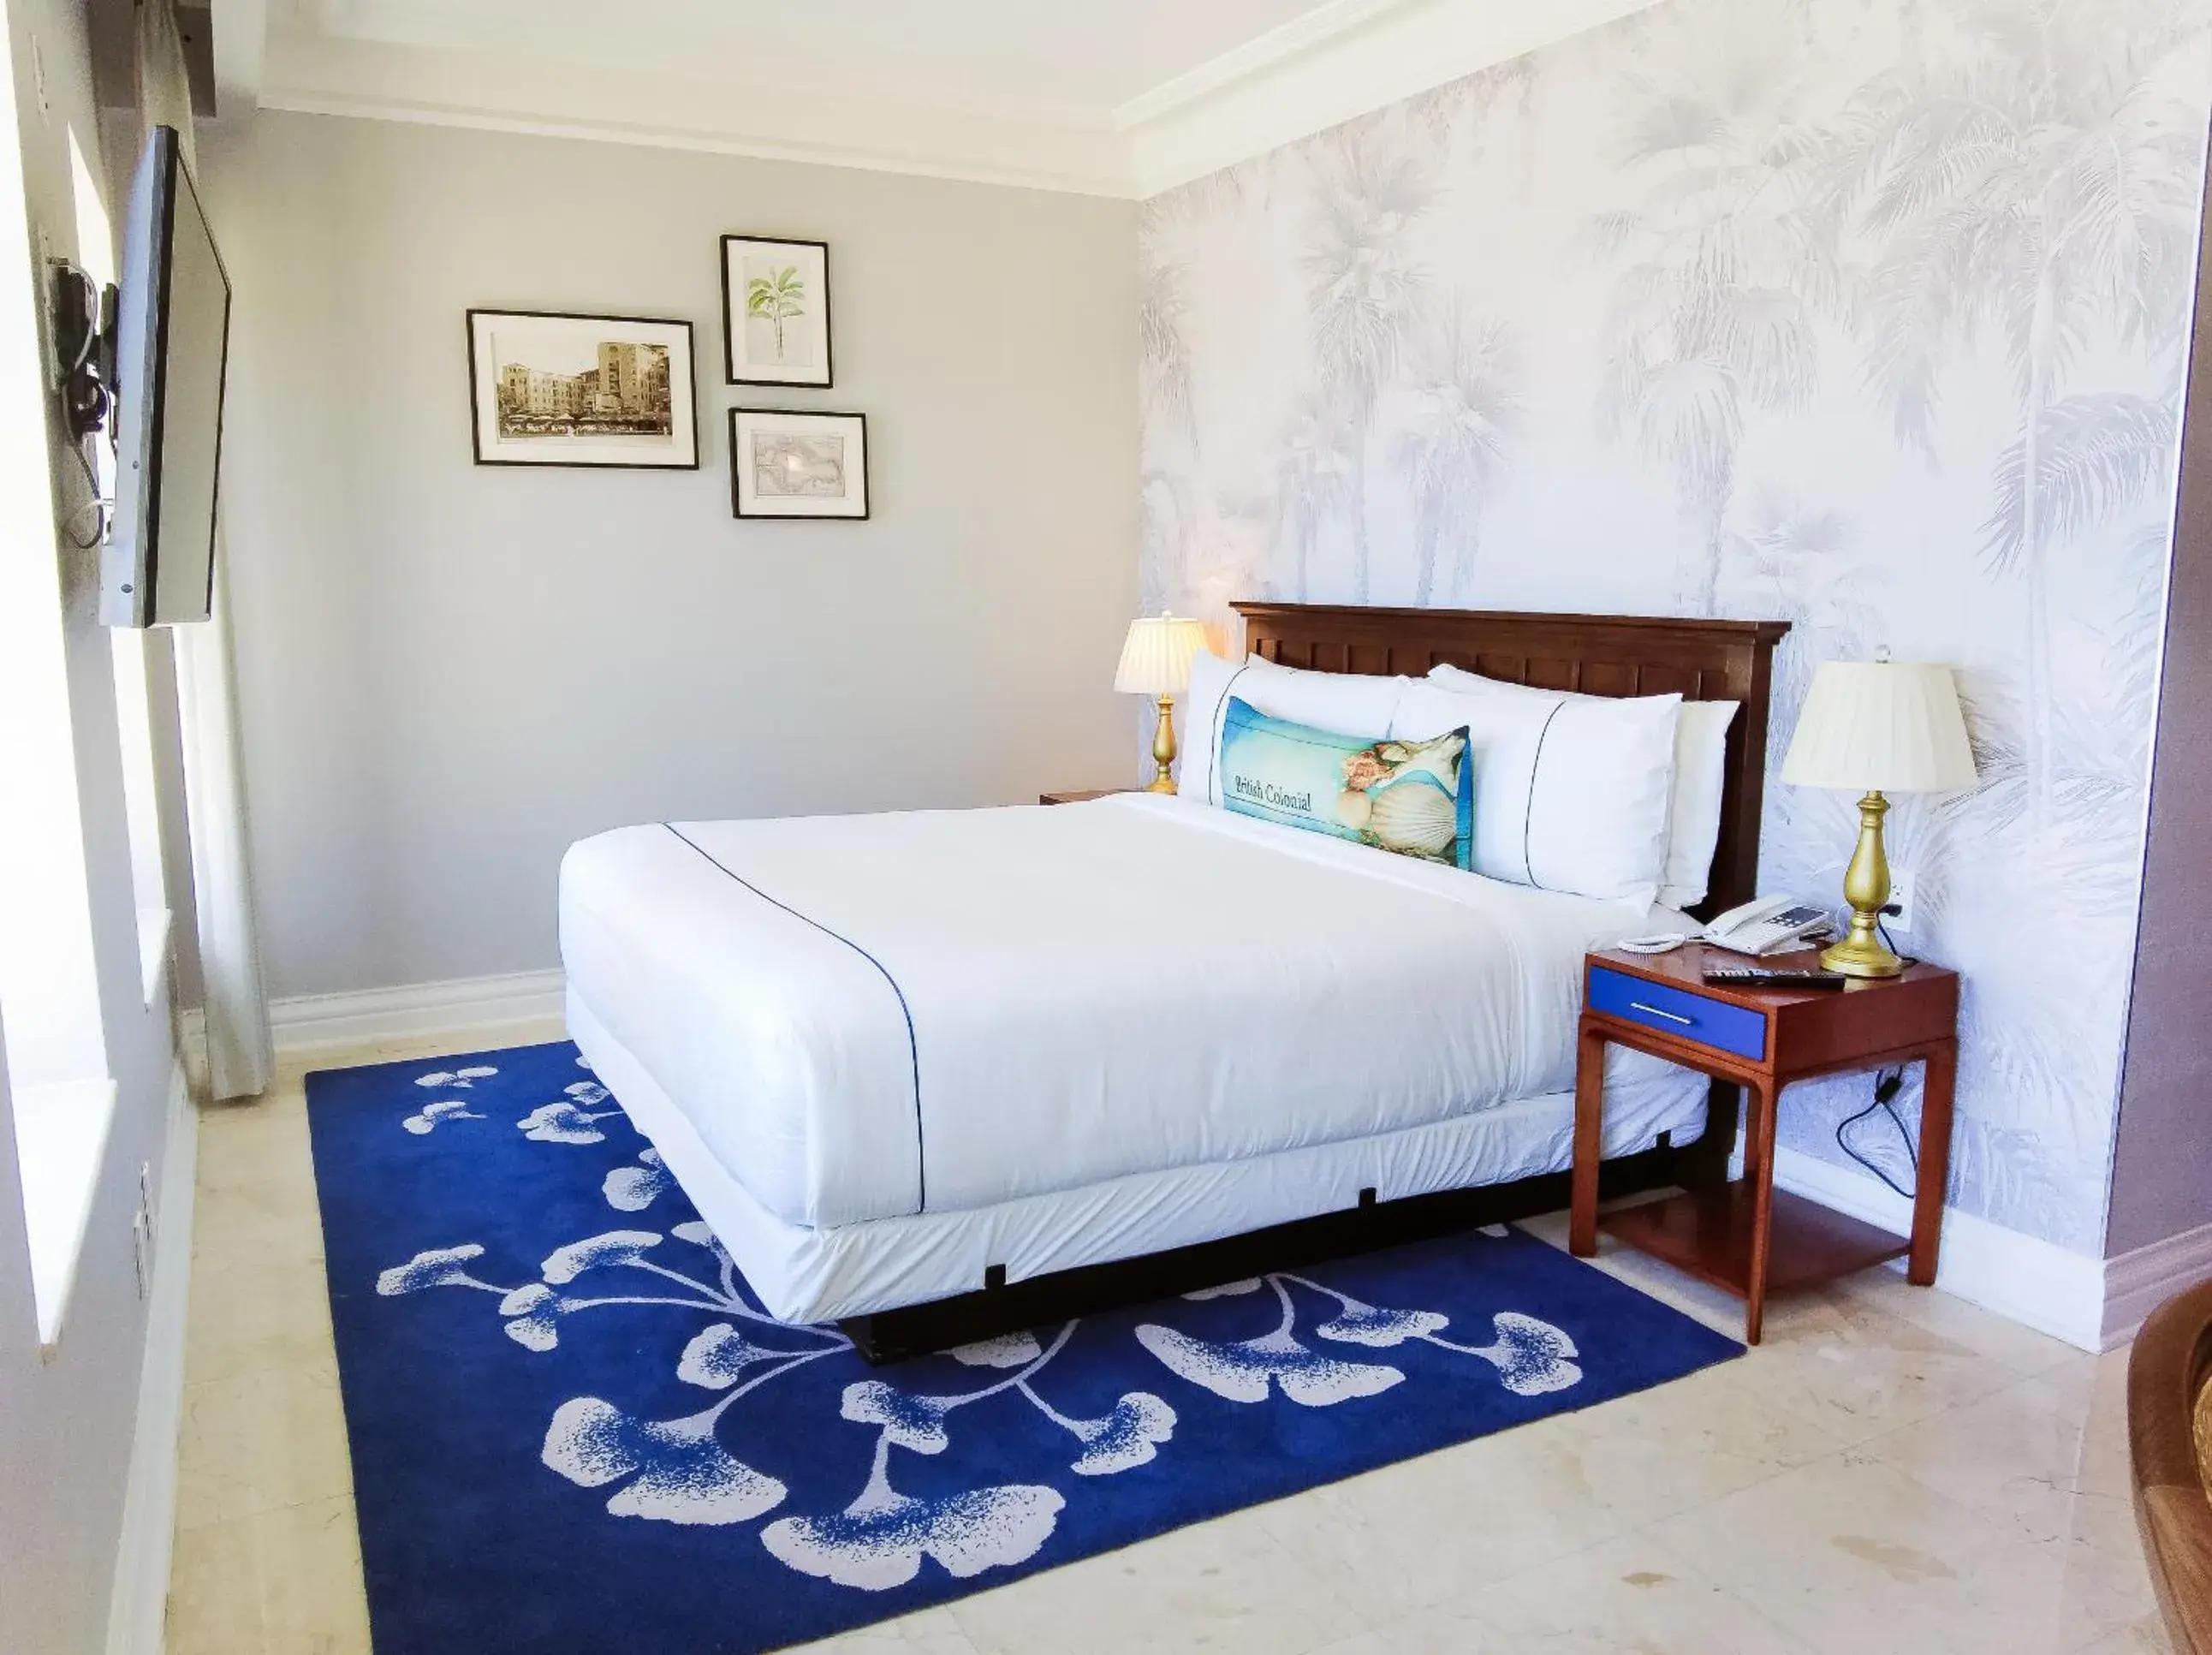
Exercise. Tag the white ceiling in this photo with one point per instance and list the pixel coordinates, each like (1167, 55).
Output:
(1112, 97)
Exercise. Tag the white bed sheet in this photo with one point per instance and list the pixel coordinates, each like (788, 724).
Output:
(803, 1274)
(869, 1017)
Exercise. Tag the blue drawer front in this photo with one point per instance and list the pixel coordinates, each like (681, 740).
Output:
(1685, 1016)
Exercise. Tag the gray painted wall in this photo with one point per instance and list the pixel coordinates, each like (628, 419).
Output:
(2162, 1161)
(450, 673)
(66, 1423)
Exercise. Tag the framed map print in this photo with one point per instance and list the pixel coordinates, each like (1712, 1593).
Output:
(798, 465)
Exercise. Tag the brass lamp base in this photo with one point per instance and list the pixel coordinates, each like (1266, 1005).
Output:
(1866, 887)
(1164, 748)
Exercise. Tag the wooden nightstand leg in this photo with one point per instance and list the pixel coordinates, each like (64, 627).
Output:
(1942, 1072)
(1759, 1166)
(1590, 1142)
(1753, 1129)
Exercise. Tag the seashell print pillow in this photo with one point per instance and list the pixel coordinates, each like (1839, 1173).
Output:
(1412, 798)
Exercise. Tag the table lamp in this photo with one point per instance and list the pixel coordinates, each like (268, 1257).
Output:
(1156, 659)
(1876, 727)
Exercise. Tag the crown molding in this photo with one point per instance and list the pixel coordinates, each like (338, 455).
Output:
(1308, 33)
(547, 97)
(1344, 59)
(1368, 60)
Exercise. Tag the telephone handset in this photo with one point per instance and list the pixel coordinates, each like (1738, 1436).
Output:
(1768, 926)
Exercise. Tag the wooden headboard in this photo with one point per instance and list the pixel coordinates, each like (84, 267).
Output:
(1597, 655)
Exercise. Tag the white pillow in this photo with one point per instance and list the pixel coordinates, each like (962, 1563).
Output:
(1700, 780)
(1343, 703)
(1570, 794)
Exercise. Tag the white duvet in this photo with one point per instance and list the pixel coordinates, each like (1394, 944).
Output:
(870, 1017)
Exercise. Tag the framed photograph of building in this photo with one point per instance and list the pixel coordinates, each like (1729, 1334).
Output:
(775, 310)
(798, 465)
(550, 389)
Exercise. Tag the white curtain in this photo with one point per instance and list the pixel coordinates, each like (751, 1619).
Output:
(236, 1005)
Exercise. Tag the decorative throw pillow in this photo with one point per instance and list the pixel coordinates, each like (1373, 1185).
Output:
(1416, 798)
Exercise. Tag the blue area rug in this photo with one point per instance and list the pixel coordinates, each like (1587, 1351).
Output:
(573, 1432)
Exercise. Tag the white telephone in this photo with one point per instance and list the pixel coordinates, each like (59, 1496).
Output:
(1768, 926)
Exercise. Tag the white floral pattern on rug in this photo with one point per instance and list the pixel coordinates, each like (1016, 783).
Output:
(678, 1470)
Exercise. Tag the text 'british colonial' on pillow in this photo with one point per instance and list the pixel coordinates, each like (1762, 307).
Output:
(1413, 798)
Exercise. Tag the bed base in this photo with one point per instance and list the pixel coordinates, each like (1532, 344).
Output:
(1000, 1307)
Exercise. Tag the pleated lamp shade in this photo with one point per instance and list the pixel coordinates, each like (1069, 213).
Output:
(1157, 654)
(1895, 726)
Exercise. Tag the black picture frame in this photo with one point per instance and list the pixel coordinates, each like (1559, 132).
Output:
(685, 425)
(858, 421)
(732, 323)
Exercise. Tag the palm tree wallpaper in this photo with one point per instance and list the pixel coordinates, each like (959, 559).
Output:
(1867, 314)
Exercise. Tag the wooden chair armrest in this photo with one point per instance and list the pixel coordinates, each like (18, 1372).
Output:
(2167, 1373)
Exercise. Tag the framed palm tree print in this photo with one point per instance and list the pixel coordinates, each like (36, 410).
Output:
(775, 310)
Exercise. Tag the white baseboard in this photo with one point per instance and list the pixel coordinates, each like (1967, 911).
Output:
(138, 1598)
(311, 1023)
(2136, 1283)
(2034, 1282)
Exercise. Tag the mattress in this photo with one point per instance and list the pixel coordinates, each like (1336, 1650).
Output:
(856, 1020)
(802, 1273)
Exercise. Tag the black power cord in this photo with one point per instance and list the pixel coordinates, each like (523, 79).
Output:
(1888, 941)
(1886, 1085)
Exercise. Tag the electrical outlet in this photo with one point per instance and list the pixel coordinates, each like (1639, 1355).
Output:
(1900, 895)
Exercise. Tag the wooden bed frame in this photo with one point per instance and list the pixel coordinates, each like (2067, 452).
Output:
(1597, 655)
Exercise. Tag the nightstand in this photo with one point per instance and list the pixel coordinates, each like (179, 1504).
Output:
(1745, 1237)
(1079, 796)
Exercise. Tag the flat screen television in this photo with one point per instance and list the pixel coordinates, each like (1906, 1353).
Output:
(172, 334)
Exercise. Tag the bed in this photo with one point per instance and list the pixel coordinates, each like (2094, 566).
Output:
(937, 1075)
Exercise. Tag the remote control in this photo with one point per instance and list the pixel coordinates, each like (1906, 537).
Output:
(1751, 976)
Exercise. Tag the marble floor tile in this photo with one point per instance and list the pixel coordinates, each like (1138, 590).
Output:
(1224, 1586)
(1856, 1371)
(256, 1223)
(1630, 1594)
(1848, 1545)
(2029, 1459)
(253, 1318)
(1425, 1530)
(1661, 1451)
(260, 1441)
(931, 1632)
(2144, 1638)
(2022, 1349)
(286, 1582)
